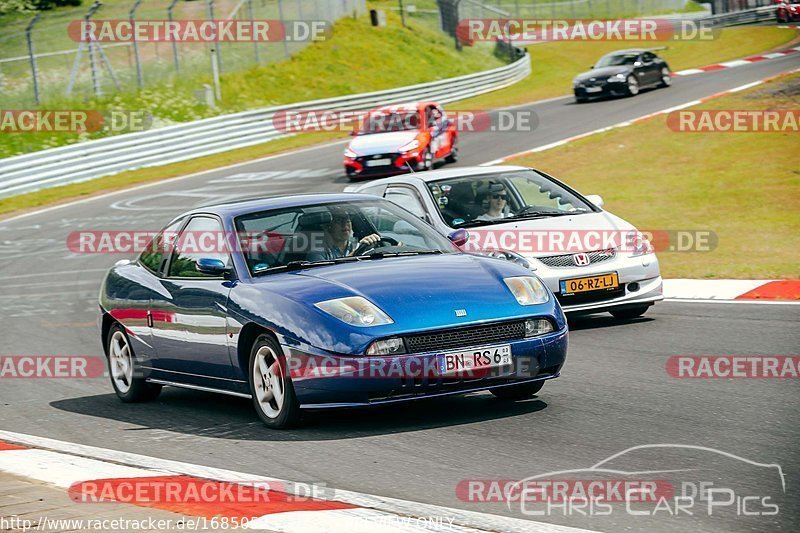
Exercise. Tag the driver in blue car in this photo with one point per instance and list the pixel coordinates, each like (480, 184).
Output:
(338, 238)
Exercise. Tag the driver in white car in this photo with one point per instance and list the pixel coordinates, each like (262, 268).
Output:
(338, 238)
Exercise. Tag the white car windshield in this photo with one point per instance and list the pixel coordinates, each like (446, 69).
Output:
(494, 198)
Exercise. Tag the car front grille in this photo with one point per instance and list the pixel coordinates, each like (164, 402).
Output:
(465, 337)
(364, 158)
(566, 260)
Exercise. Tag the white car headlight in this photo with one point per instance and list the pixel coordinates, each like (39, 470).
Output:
(413, 145)
(355, 310)
(528, 290)
(576, 83)
(349, 153)
(619, 77)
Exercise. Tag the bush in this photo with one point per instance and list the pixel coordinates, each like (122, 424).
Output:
(22, 6)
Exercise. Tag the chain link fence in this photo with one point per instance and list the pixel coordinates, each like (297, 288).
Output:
(41, 63)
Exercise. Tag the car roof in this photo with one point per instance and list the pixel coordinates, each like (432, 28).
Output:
(245, 206)
(408, 106)
(629, 51)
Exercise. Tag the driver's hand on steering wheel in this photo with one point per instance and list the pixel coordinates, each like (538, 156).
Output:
(370, 239)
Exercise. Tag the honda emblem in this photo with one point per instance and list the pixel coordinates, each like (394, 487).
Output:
(581, 259)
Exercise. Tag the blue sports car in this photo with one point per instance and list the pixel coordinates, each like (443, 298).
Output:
(325, 300)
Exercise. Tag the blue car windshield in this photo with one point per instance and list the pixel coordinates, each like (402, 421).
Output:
(304, 236)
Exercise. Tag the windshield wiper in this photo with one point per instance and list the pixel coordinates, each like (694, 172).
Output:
(531, 212)
(475, 223)
(293, 265)
(381, 255)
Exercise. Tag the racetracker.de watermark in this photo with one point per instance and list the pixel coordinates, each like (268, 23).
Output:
(563, 490)
(149, 491)
(734, 121)
(734, 366)
(564, 241)
(543, 30)
(73, 121)
(51, 367)
(371, 121)
(198, 31)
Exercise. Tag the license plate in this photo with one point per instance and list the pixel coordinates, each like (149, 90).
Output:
(378, 162)
(593, 89)
(475, 362)
(603, 282)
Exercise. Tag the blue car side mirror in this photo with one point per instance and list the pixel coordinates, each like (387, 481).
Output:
(459, 237)
(209, 265)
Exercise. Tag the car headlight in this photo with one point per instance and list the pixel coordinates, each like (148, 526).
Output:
(355, 310)
(528, 290)
(638, 244)
(349, 153)
(577, 83)
(535, 327)
(413, 145)
(618, 77)
(393, 346)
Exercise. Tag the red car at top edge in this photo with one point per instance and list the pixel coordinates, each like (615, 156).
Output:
(401, 138)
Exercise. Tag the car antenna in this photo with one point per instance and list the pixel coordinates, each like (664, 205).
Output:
(409, 168)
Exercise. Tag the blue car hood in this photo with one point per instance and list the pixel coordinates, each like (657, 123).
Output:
(422, 292)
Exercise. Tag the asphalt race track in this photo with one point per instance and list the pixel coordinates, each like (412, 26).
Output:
(614, 392)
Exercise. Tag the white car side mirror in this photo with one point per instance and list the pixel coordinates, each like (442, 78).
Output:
(596, 199)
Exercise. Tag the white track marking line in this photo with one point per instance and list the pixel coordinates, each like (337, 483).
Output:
(64, 470)
(746, 86)
(756, 302)
(709, 289)
(488, 522)
(687, 72)
(735, 63)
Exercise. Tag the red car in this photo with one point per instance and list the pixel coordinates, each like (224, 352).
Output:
(397, 139)
(787, 11)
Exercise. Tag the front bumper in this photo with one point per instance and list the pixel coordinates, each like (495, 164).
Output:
(639, 278)
(358, 166)
(601, 88)
(535, 359)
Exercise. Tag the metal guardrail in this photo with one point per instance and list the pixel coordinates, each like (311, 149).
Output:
(94, 159)
(747, 16)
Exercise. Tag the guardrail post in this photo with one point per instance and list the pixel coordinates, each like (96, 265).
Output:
(34, 72)
(215, 49)
(252, 17)
(170, 7)
(131, 17)
(92, 62)
(280, 16)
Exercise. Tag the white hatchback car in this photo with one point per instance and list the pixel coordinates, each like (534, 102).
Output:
(592, 260)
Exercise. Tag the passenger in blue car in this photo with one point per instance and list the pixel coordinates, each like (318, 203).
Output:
(339, 240)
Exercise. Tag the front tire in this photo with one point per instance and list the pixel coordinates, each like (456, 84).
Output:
(515, 393)
(271, 386)
(633, 86)
(452, 157)
(124, 370)
(630, 312)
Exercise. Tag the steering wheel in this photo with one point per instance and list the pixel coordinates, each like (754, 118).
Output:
(363, 248)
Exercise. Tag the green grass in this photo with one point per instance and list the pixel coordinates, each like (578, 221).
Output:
(358, 58)
(554, 65)
(745, 187)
